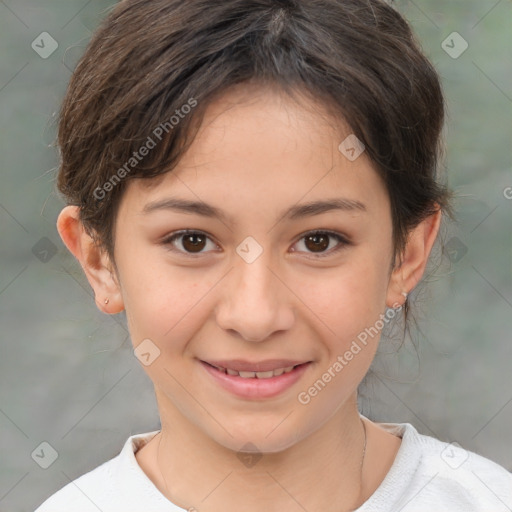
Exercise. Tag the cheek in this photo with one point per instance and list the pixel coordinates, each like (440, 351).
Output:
(348, 298)
(347, 304)
(163, 303)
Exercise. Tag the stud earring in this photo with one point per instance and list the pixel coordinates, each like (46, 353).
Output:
(106, 301)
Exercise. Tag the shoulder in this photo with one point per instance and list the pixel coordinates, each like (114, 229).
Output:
(485, 484)
(430, 474)
(118, 484)
(82, 493)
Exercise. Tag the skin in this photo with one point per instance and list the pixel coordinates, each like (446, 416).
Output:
(258, 152)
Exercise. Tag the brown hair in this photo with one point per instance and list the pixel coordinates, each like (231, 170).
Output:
(157, 64)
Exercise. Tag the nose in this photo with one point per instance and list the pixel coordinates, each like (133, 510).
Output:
(256, 302)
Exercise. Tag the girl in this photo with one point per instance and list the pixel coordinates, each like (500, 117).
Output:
(255, 182)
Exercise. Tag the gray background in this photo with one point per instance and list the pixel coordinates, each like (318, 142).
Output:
(68, 375)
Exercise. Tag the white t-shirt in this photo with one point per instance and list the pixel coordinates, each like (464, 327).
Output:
(427, 475)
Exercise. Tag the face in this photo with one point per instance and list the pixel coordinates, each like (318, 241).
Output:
(254, 283)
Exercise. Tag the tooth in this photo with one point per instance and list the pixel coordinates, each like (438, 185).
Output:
(247, 375)
(265, 375)
(259, 375)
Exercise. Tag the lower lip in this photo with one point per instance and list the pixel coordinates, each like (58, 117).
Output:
(256, 388)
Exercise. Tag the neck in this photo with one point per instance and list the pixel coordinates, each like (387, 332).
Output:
(323, 471)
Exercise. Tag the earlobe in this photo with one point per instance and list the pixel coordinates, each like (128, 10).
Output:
(408, 274)
(92, 258)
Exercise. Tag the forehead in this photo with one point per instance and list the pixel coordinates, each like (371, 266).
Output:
(259, 144)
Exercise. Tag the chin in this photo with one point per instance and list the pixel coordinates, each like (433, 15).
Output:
(269, 436)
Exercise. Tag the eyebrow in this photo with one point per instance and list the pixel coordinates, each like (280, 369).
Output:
(295, 212)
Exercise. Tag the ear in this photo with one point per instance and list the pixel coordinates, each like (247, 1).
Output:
(415, 257)
(95, 261)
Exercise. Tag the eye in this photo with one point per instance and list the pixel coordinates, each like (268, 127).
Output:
(318, 241)
(192, 241)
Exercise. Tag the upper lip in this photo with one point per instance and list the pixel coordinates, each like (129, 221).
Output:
(255, 366)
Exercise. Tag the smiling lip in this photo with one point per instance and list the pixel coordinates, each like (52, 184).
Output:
(255, 387)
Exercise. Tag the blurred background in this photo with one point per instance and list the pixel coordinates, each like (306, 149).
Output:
(68, 374)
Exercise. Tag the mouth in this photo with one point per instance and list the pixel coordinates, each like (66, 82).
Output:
(256, 380)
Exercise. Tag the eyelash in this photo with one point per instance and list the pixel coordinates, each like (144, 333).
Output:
(168, 241)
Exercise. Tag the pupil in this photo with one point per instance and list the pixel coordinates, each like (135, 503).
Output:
(315, 239)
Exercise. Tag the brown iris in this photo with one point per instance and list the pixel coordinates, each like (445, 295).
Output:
(320, 241)
(193, 241)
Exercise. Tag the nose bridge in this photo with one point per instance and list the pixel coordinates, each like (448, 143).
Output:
(252, 274)
(253, 304)
(253, 280)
